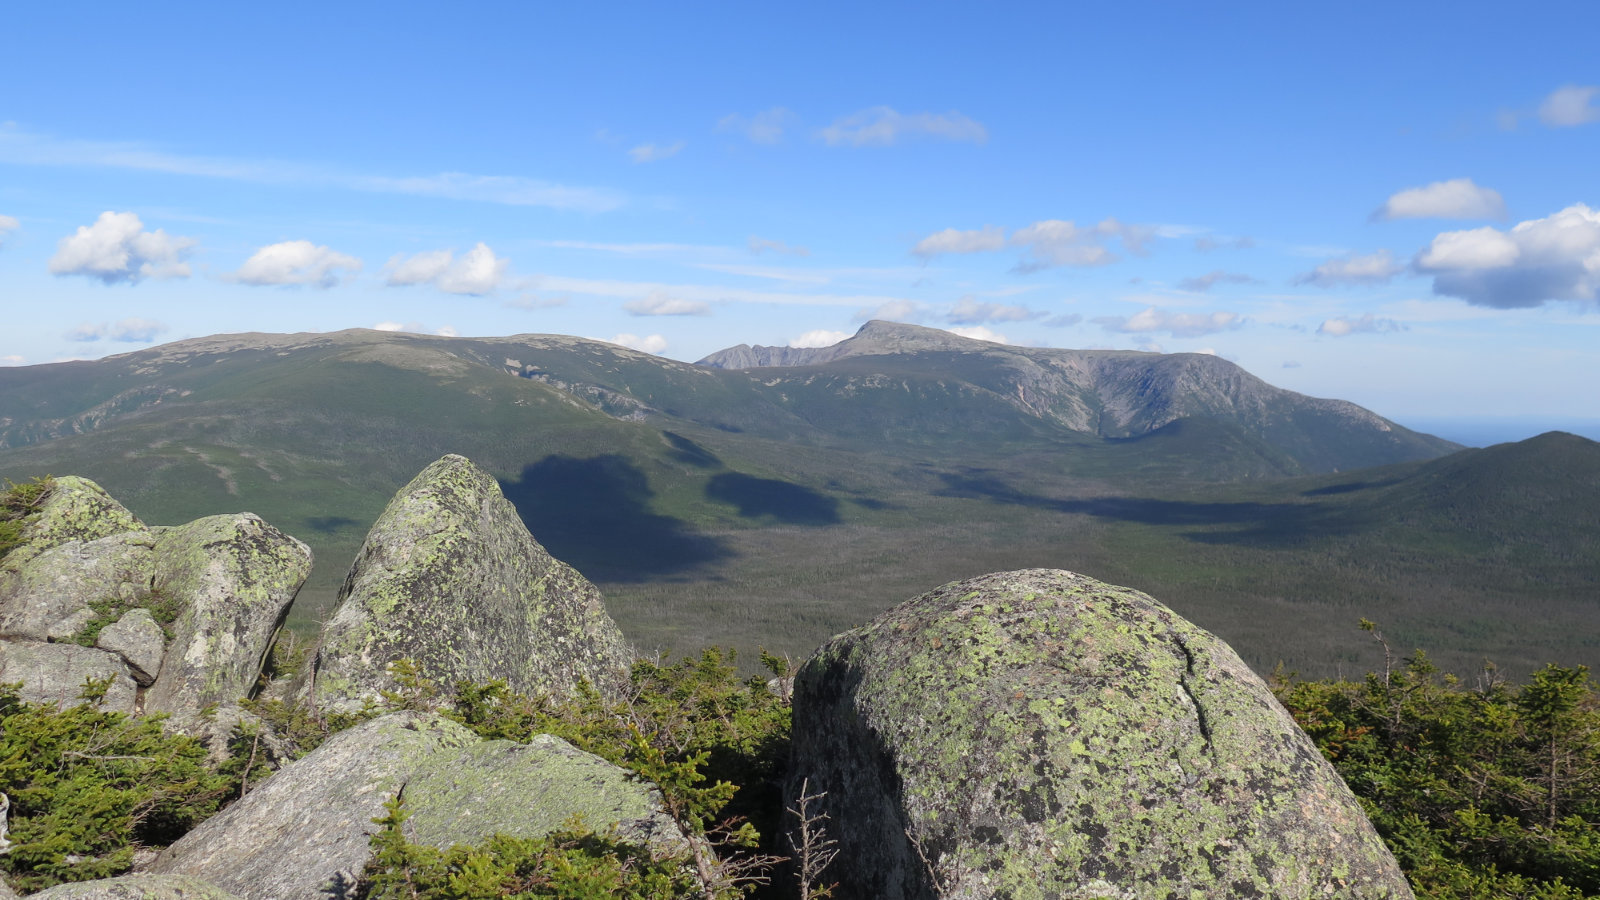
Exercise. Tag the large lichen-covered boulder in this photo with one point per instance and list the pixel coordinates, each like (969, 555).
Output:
(74, 509)
(56, 674)
(137, 887)
(49, 595)
(1039, 734)
(450, 578)
(234, 578)
(306, 831)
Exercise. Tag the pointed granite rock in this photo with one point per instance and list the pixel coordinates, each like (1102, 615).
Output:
(1040, 734)
(450, 578)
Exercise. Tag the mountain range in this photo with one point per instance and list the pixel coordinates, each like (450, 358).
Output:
(772, 496)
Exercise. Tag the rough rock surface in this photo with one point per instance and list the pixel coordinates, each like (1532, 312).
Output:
(55, 673)
(450, 578)
(76, 509)
(1039, 734)
(235, 577)
(46, 595)
(137, 887)
(139, 640)
(305, 832)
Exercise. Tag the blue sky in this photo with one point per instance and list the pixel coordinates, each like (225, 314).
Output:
(1393, 204)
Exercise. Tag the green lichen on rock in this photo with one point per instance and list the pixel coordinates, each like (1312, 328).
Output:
(235, 577)
(1039, 734)
(450, 578)
(73, 509)
(305, 832)
(137, 887)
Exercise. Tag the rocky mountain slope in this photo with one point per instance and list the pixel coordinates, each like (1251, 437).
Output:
(1105, 393)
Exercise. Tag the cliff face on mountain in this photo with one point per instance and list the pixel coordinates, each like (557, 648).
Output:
(1104, 393)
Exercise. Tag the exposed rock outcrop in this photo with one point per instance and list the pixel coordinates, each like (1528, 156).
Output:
(139, 640)
(55, 673)
(305, 832)
(450, 578)
(1040, 734)
(235, 577)
(88, 571)
(137, 887)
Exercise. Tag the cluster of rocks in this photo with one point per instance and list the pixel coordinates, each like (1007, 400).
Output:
(223, 583)
(1022, 735)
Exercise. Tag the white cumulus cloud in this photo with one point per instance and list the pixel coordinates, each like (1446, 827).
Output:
(478, 271)
(1553, 258)
(765, 127)
(820, 337)
(652, 343)
(1152, 320)
(645, 153)
(1353, 269)
(1458, 198)
(882, 126)
(979, 333)
(1341, 326)
(415, 328)
(296, 263)
(659, 303)
(117, 248)
(7, 224)
(1570, 105)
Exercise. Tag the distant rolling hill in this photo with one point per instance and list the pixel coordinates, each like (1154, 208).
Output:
(775, 505)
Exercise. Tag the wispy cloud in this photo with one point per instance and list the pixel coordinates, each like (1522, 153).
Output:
(765, 127)
(20, 147)
(1050, 242)
(952, 240)
(1206, 243)
(760, 245)
(1353, 269)
(1570, 105)
(117, 248)
(1206, 282)
(647, 153)
(1152, 320)
(882, 126)
(638, 290)
(659, 303)
(971, 311)
(128, 331)
(1342, 326)
(1458, 198)
(7, 224)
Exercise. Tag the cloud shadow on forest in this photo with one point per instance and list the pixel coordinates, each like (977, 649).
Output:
(594, 514)
(1254, 524)
(789, 503)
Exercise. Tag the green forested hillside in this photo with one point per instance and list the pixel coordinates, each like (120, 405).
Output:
(776, 506)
